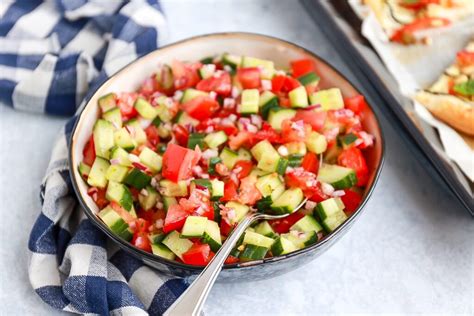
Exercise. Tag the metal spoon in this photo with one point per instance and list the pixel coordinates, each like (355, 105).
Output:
(192, 300)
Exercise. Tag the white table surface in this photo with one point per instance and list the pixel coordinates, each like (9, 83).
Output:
(410, 252)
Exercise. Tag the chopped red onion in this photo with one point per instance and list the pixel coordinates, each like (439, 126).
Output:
(327, 188)
(282, 150)
(177, 95)
(235, 92)
(159, 223)
(115, 161)
(144, 192)
(144, 123)
(229, 103)
(256, 120)
(140, 166)
(213, 95)
(266, 84)
(338, 193)
(133, 158)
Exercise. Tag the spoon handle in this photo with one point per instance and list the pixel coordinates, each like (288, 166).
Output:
(192, 300)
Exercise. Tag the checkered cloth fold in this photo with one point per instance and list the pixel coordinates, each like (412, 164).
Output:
(52, 54)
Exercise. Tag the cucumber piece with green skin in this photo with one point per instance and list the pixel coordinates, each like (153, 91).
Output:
(115, 223)
(266, 155)
(265, 229)
(244, 154)
(117, 192)
(229, 157)
(233, 61)
(156, 238)
(214, 140)
(268, 183)
(184, 119)
(103, 138)
(282, 246)
(204, 183)
(212, 165)
(121, 156)
(296, 148)
(240, 211)
(177, 244)
(137, 179)
(277, 115)
(168, 201)
(347, 140)
(190, 94)
(300, 239)
(253, 238)
(282, 165)
(307, 224)
(84, 170)
(107, 102)
(123, 139)
(175, 189)
(194, 227)
(164, 77)
(215, 187)
(288, 201)
(267, 101)
(249, 102)
(145, 109)
(139, 134)
(265, 203)
(116, 173)
(196, 139)
(334, 221)
(162, 251)
(309, 78)
(212, 235)
(97, 174)
(252, 252)
(207, 60)
(316, 143)
(328, 207)
(113, 116)
(151, 159)
(149, 200)
(295, 160)
(339, 177)
(330, 99)
(267, 66)
(298, 97)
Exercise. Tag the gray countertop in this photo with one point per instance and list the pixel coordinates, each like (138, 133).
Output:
(410, 252)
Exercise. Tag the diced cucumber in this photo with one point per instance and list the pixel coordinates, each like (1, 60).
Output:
(277, 115)
(116, 173)
(212, 235)
(117, 192)
(162, 110)
(267, 66)
(331, 223)
(296, 148)
(298, 97)
(162, 251)
(261, 149)
(252, 252)
(168, 201)
(300, 239)
(145, 109)
(164, 77)
(258, 172)
(121, 156)
(196, 139)
(267, 184)
(267, 101)
(256, 239)
(113, 116)
(307, 224)
(249, 101)
(156, 238)
(170, 188)
(107, 102)
(151, 159)
(176, 244)
(282, 165)
(347, 140)
(316, 143)
(339, 177)
(267, 156)
(148, 201)
(123, 139)
(190, 94)
(137, 179)
(185, 119)
(217, 190)
(214, 140)
(97, 174)
(240, 211)
(294, 160)
(265, 229)
(84, 170)
(310, 78)
(212, 165)
(138, 133)
(288, 201)
(115, 223)
(264, 204)
(207, 70)
(194, 227)
(330, 99)
(103, 138)
(244, 154)
(233, 61)
(229, 157)
(282, 246)
(329, 207)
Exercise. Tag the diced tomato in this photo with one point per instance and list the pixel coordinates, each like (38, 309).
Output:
(351, 200)
(284, 101)
(175, 218)
(306, 181)
(248, 192)
(230, 191)
(249, 77)
(197, 255)
(148, 86)
(124, 214)
(282, 226)
(231, 259)
(220, 84)
(310, 163)
(181, 134)
(89, 152)
(185, 75)
(229, 130)
(294, 131)
(314, 118)
(151, 215)
(241, 139)
(178, 162)
(267, 133)
(417, 4)
(98, 195)
(201, 107)
(126, 103)
(152, 135)
(301, 67)
(226, 228)
(243, 168)
(465, 58)
(290, 84)
(277, 83)
(141, 241)
(405, 35)
(316, 194)
(356, 103)
(353, 158)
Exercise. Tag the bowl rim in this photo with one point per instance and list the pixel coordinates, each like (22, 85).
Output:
(234, 266)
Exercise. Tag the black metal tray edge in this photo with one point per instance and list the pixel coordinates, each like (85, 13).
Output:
(393, 111)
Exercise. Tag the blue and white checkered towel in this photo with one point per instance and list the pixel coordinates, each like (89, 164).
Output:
(51, 54)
